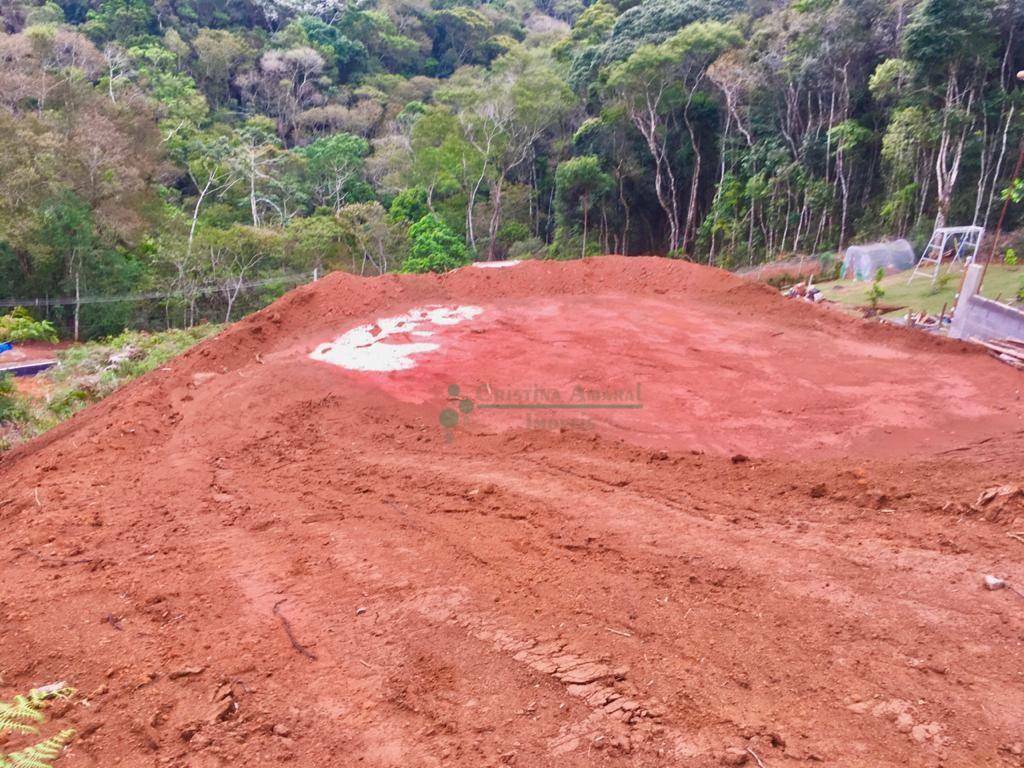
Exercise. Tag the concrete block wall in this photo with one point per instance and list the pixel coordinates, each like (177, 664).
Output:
(976, 317)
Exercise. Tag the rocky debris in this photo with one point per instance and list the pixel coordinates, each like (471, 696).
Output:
(224, 702)
(127, 353)
(994, 582)
(818, 491)
(735, 756)
(221, 710)
(620, 717)
(925, 731)
(162, 713)
(282, 730)
(1000, 503)
(147, 735)
(874, 498)
(901, 714)
(806, 291)
(201, 377)
(584, 673)
(185, 672)
(146, 679)
(88, 729)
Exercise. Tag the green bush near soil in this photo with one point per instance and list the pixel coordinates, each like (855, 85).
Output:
(87, 373)
(11, 406)
(19, 325)
(435, 247)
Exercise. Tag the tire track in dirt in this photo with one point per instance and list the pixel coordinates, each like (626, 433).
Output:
(856, 562)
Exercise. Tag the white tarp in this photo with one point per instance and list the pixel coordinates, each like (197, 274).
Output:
(862, 261)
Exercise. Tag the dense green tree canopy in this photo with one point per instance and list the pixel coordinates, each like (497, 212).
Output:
(211, 154)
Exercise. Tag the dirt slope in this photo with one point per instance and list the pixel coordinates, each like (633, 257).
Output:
(253, 557)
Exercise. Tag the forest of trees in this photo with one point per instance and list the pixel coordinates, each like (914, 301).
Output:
(208, 152)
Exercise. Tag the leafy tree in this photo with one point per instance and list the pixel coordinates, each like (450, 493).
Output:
(219, 55)
(372, 236)
(846, 138)
(657, 85)
(69, 230)
(334, 168)
(434, 247)
(316, 242)
(409, 205)
(345, 55)
(444, 163)
(285, 83)
(592, 28)
(876, 293)
(1014, 192)
(125, 21)
(578, 183)
(504, 113)
(655, 21)
(459, 37)
(180, 107)
(951, 43)
(228, 258)
(209, 168)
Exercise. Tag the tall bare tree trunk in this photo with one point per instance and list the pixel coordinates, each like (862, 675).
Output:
(78, 301)
(586, 210)
(495, 223)
(691, 208)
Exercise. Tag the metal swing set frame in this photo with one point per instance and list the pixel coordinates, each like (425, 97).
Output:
(962, 242)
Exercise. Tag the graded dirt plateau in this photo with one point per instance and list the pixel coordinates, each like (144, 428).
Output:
(613, 512)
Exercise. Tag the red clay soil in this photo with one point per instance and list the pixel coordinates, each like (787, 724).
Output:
(773, 556)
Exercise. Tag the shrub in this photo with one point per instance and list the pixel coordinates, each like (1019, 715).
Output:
(409, 205)
(434, 247)
(526, 249)
(11, 406)
(876, 293)
(19, 325)
(941, 283)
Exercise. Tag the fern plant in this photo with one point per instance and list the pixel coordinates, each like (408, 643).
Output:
(40, 755)
(21, 715)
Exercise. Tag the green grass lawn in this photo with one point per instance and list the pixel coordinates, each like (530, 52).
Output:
(1000, 281)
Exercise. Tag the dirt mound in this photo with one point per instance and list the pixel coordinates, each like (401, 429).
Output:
(624, 511)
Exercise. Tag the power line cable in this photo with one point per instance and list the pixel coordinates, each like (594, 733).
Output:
(60, 301)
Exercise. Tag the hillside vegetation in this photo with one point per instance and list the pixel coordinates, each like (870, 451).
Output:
(85, 374)
(211, 154)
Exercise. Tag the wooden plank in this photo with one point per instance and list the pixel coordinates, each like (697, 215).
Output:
(1003, 350)
(1014, 361)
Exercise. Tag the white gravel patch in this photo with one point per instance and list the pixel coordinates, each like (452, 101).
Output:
(372, 347)
(496, 264)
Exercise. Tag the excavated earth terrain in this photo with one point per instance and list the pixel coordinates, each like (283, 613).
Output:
(614, 512)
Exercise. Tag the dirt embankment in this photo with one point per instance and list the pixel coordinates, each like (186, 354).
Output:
(763, 545)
